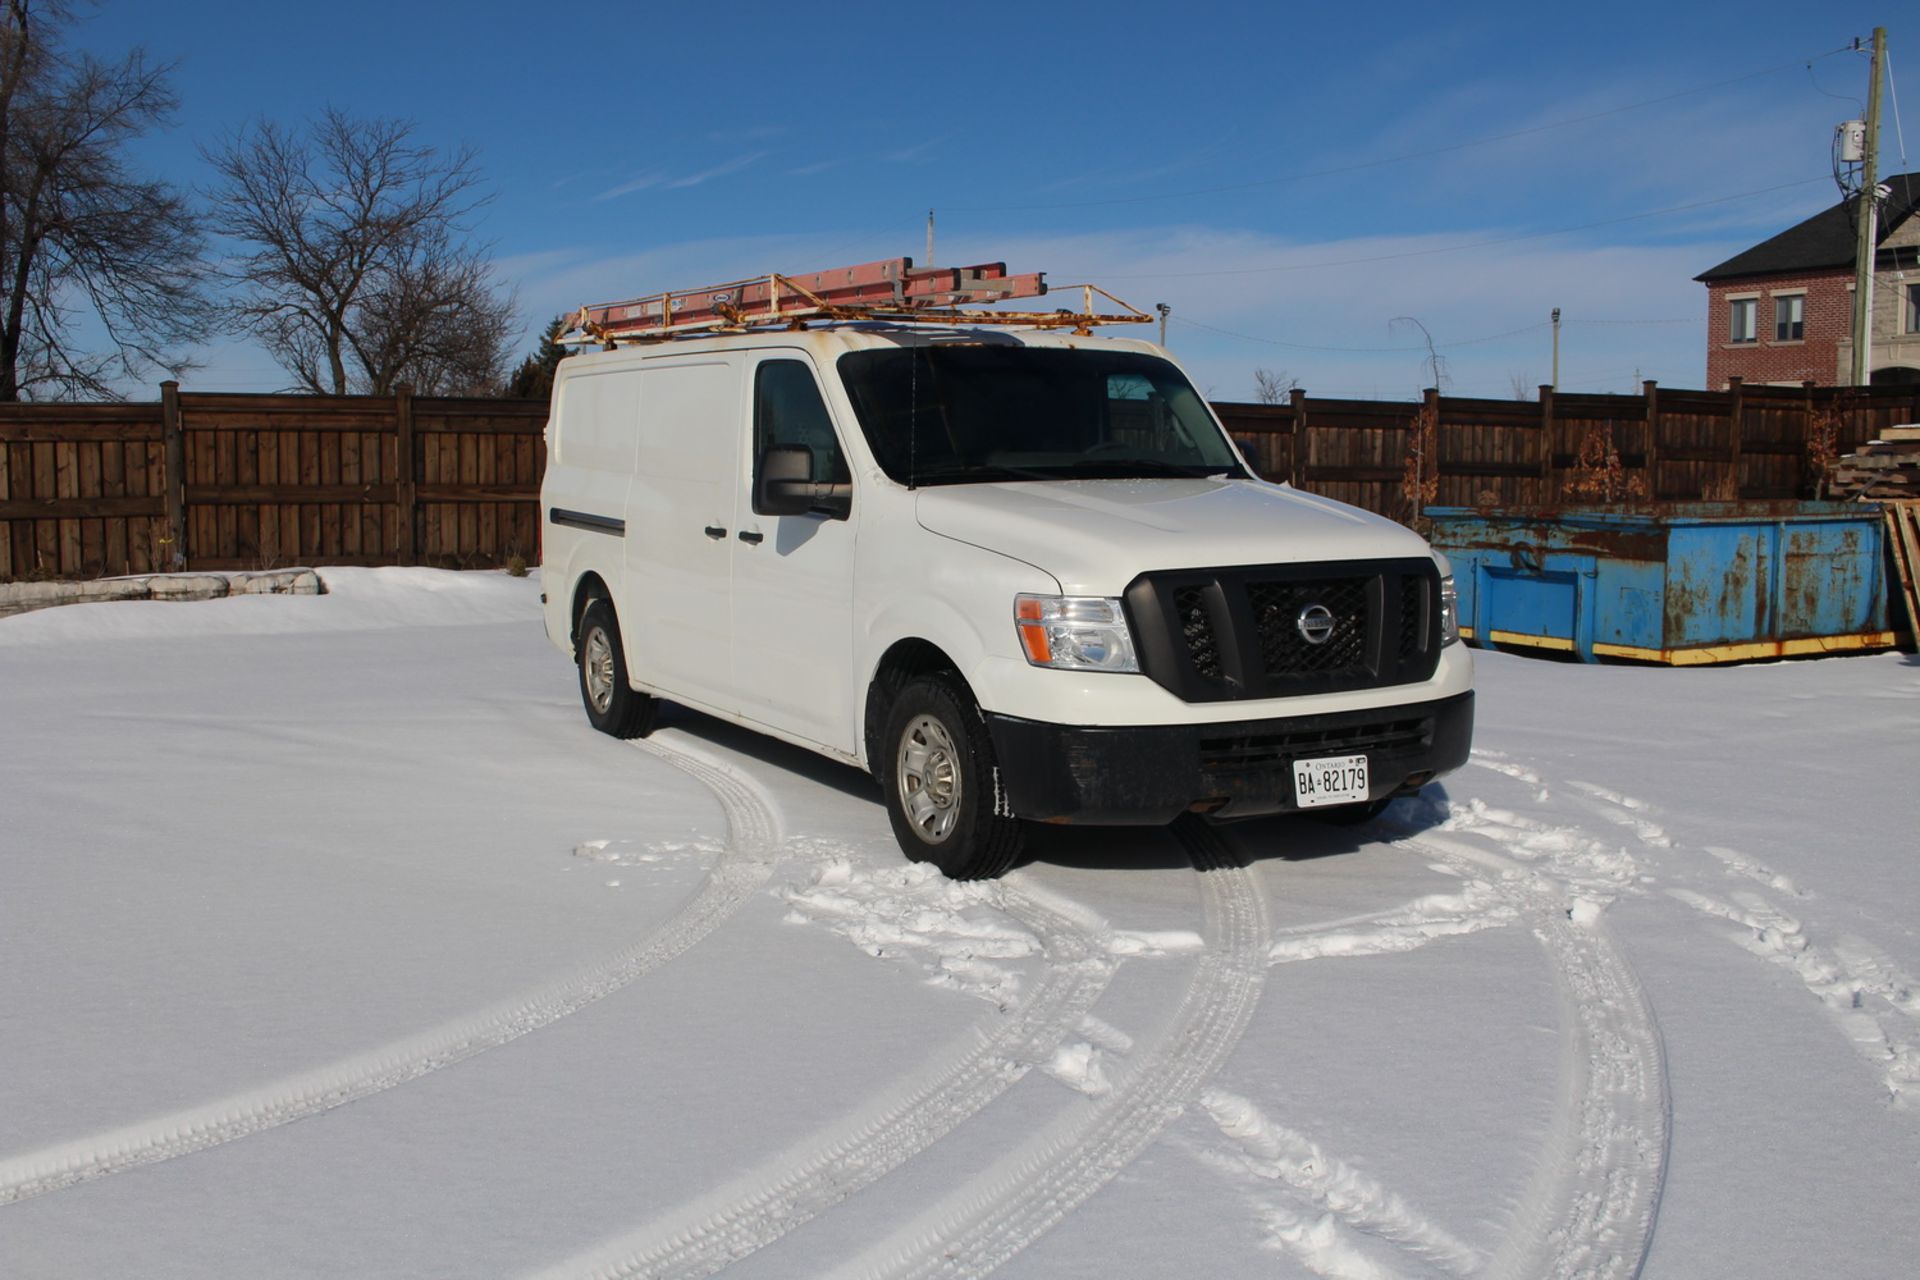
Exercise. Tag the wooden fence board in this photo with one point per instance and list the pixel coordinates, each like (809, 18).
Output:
(279, 479)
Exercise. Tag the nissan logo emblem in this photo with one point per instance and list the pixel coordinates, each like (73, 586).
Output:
(1315, 624)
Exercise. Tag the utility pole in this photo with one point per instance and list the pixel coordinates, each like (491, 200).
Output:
(929, 238)
(1556, 347)
(1164, 311)
(1866, 223)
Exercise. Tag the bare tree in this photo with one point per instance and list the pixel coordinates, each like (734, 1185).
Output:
(1438, 375)
(1272, 388)
(101, 268)
(358, 274)
(1522, 389)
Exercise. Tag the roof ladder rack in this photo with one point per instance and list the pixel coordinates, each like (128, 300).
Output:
(893, 291)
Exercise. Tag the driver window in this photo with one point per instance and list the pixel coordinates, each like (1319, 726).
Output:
(788, 409)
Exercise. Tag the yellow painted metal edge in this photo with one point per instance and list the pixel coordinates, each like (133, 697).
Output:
(1745, 652)
(1466, 633)
(1538, 642)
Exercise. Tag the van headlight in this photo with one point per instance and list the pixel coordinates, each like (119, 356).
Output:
(1449, 612)
(1074, 633)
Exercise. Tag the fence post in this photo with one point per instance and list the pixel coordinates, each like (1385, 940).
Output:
(1430, 456)
(1819, 483)
(1297, 456)
(1736, 391)
(403, 477)
(173, 474)
(1546, 442)
(1651, 389)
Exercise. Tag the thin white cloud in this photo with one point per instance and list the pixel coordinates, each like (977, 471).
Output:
(734, 165)
(1288, 319)
(918, 151)
(659, 179)
(639, 182)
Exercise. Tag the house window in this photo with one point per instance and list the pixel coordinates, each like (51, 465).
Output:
(1913, 308)
(1740, 320)
(1789, 317)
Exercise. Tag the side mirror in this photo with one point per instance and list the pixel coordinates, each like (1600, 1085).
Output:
(787, 488)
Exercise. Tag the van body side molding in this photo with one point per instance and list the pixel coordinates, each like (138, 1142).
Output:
(586, 520)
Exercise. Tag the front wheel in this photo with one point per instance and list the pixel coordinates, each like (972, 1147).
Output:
(613, 706)
(942, 783)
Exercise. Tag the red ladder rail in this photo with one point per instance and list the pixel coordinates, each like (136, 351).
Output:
(891, 285)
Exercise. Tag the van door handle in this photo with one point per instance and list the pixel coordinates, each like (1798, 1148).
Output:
(715, 531)
(752, 539)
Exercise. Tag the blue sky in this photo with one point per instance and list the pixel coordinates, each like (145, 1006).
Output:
(1290, 179)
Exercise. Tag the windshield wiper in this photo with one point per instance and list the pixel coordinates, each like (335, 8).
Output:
(981, 473)
(1149, 466)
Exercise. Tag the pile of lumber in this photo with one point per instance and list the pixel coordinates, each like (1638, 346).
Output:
(1885, 468)
(1887, 471)
(1903, 538)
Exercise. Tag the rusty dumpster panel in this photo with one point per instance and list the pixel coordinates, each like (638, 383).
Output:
(1681, 583)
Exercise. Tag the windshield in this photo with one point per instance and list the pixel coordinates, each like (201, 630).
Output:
(972, 414)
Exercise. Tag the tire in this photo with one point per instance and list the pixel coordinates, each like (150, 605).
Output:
(614, 707)
(942, 784)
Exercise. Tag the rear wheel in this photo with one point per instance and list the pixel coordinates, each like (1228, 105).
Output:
(613, 706)
(942, 783)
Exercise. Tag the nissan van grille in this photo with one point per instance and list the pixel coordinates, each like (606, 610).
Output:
(1271, 631)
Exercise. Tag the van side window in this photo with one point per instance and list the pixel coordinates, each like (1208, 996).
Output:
(788, 409)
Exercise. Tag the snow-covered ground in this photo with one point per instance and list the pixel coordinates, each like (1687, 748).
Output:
(333, 942)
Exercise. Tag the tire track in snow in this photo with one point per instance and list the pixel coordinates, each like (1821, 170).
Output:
(1591, 1209)
(1592, 1206)
(766, 1204)
(1029, 1191)
(753, 836)
(1873, 1003)
(1272, 1153)
(1479, 905)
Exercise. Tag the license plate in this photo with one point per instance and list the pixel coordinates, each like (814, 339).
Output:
(1330, 780)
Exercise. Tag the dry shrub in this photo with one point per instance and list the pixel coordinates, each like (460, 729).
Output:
(1420, 473)
(1598, 474)
(1724, 487)
(1823, 441)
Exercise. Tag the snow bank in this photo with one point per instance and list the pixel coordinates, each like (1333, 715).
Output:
(356, 600)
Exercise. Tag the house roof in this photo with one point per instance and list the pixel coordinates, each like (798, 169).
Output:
(1823, 241)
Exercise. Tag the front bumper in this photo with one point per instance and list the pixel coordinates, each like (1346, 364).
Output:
(1148, 775)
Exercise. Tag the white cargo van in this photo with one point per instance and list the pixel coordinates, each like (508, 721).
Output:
(1019, 576)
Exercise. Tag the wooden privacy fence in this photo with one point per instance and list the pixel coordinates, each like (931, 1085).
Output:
(259, 481)
(1663, 445)
(251, 481)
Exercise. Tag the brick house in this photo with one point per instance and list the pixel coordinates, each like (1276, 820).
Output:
(1782, 311)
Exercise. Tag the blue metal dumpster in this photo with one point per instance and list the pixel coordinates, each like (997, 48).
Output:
(1680, 583)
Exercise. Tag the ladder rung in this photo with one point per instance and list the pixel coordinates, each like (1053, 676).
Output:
(894, 281)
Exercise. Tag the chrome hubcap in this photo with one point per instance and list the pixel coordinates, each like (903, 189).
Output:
(929, 772)
(596, 662)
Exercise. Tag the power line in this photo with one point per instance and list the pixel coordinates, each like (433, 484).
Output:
(1360, 165)
(1472, 244)
(1303, 346)
(1899, 130)
(1675, 320)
